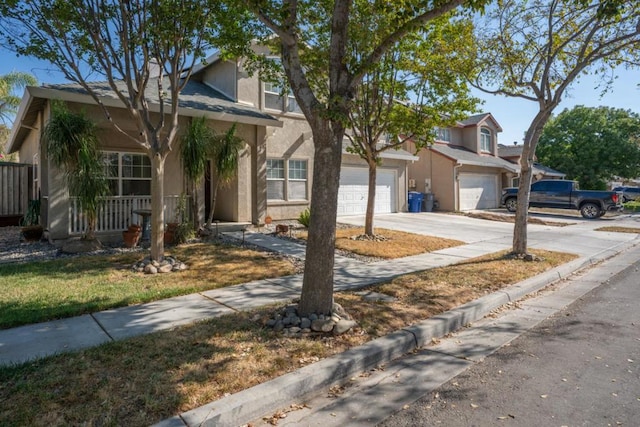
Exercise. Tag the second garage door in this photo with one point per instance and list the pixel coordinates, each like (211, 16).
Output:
(352, 194)
(478, 191)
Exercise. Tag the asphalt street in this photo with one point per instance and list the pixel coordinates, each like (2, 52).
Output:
(580, 367)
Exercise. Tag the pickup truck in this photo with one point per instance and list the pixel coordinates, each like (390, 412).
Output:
(564, 194)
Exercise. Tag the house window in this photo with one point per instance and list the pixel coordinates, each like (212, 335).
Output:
(272, 97)
(443, 134)
(275, 179)
(294, 187)
(297, 185)
(485, 140)
(128, 174)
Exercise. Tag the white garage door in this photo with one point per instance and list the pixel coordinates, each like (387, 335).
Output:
(478, 191)
(352, 194)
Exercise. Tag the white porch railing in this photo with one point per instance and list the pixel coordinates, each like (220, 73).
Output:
(116, 214)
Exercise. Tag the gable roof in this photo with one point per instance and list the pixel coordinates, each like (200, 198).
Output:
(465, 157)
(547, 171)
(196, 100)
(479, 119)
(509, 150)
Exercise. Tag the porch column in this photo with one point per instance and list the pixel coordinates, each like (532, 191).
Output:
(259, 177)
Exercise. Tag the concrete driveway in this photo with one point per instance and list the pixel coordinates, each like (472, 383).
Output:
(579, 237)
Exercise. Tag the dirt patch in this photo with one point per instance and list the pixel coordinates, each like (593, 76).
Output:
(511, 218)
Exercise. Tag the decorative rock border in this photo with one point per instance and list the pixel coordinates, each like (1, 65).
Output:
(291, 324)
(167, 265)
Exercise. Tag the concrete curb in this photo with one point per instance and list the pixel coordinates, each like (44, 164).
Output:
(257, 401)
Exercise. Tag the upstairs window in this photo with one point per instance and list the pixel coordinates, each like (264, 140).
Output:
(485, 140)
(442, 134)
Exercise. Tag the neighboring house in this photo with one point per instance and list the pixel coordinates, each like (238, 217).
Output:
(512, 153)
(462, 168)
(274, 176)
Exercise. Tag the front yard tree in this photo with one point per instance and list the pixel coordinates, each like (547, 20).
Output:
(144, 49)
(427, 65)
(536, 49)
(592, 145)
(316, 41)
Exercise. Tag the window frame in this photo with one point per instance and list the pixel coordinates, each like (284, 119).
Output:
(289, 167)
(485, 138)
(119, 178)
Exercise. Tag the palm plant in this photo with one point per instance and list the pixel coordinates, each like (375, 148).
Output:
(225, 154)
(9, 102)
(195, 146)
(72, 143)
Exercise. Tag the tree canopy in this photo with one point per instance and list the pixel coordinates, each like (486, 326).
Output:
(535, 49)
(592, 145)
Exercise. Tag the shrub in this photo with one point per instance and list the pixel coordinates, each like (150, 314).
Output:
(305, 217)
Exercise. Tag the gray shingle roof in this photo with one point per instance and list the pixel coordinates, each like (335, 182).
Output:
(195, 96)
(466, 157)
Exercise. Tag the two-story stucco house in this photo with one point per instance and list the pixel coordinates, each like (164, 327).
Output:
(274, 177)
(462, 168)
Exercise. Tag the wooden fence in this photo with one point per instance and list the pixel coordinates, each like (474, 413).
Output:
(14, 191)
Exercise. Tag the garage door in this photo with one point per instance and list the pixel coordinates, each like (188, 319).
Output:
(478, 191)
(352, 194)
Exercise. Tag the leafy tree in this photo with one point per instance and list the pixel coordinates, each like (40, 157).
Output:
(592, 145)
(72, 144)
(535, 49)
(422, 64)
(317, 41)
(9, 101)
(120, 41)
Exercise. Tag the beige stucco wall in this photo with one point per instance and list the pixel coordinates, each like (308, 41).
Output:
(222, 76)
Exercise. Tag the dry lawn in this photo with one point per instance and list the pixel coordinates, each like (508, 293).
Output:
(633, 230)
(398, 244)
(146, 379)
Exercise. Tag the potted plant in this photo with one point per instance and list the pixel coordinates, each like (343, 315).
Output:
(131, 236)
(30, 222)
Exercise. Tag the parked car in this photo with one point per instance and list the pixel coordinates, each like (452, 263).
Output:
(564, 194)
(629, 193)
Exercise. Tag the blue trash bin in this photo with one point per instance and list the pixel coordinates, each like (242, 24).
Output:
(415, 201)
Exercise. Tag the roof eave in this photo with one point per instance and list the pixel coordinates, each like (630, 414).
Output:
(25, 103)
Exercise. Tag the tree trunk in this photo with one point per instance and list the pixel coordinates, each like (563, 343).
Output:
(526, 173)
(157, 206)
(317, 286)
(371, 199)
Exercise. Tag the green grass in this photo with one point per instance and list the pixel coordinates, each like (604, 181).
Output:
(632, 206)
(39, 291)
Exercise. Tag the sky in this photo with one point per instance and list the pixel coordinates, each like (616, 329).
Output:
(514, 115)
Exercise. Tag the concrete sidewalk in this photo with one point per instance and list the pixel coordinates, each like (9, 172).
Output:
(29, 342)
(24, 343)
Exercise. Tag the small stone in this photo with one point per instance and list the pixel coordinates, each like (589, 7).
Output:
(335, 318)
(286, 321)
(291, 308)
(313, 317)
(305, 323)
(340, 311)
(343, 326)
(155, 263)
(165, 268)
(306, 330)
(271, 322)
(322, 325)
(182, 266)
(150, 269)
(294, 330)
(278, 326)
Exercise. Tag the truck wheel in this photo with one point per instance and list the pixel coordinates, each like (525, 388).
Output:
(511, 204)
(590, 211)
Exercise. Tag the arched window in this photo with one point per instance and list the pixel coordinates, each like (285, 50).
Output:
(485, 139)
